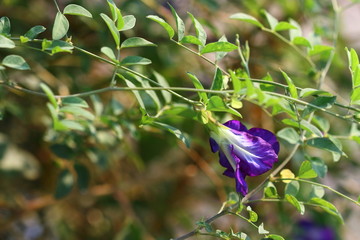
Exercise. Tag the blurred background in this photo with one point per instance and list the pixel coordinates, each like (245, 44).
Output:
(142, 183)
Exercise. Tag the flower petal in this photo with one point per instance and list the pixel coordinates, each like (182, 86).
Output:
(236, 125)
(241, 185)
(256, 156)
(224, 161)
(229, 173)
(267, 136)
(214, 146)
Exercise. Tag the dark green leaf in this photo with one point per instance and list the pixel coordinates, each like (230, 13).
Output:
(293, 201)
(136, 42)
(216, 104)
(306, 170)
(74, 9)
(135, 60)
(74, 101)
(180, 135)
(313, 92)
(112, 27)
(83, 176)
(136, 93)
(164, 24)
(129, 22)
(56, 46)
(71, 124)
(78, 112)
(218, 47)
(324, 143)
(62, 151)
(16, 62)
(34, 31)
(179, 24)
(217, 83)
(246, 18)
(162, 81)
(61, 26)
(289, 135)
(6, 42)
(191, 40)
(220, 55)
(5, 26)
(64, 185)
(319, 166)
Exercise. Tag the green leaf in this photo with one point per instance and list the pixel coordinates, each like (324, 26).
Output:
(152, 94)
(320, 101)
(217, 104)
(200, 32)
(317, 49)
(49, 94)
(301, 41)
(136, 93)
(83, 176)
(292, 187)
(353, 59)
(253, 217)
(179, 24)
(273, 22)
(310, 128)
(305, 92)
(16, 62)
(289, 135)
(74, 9)
(190, 40)
(275, 237)
(61, 26)
(162, 81)
(327, 206)
(5, 26)
(322, 123)
(6, 42)
(34, 31)
(197, 84)
(108, 52)
(317, 191)
(323, 143)
(356, 77)
(164, 24)
(306, 170)
(62, 151)
(56, 46)
(71, 124)
(180, 135)
(75, 102)
(246, 18)
(135, 60)
(64, 185)
(293, 201)
(282, 26)
(217, 83)
(319, 166)
(113, 9)
(218, 47)
(262, 230)
(136, 42)
(220, 55)
(270, 191)
(112, 27)
(120, 20)
(355, 96)
(78, 112)
(294, 32)
(292, 87)
(129, 22)
(236, 82)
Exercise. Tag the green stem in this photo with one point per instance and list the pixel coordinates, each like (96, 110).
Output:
(320, 185)
(245, 62)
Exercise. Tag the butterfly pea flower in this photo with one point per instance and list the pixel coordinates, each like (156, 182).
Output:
(244, 152)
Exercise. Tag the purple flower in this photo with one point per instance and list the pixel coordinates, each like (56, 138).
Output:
(244, 152)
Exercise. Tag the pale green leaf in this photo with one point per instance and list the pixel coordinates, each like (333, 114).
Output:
(71, 124)
(136, 93)
(327, 206)
(294, 32)
(75, 101)
(196, 82)
(5, 26)
(164, 24)
(220, 55)
(108, 52)
(293, 201)
(270, 191)
(271, 20)
(200, 32)
(217, 83)
(218, 47)
(61, 26)
(6, 42)
(292, 187)
(78, 112)
(253, 217)
(217, 104)
(129, 22)
(317, 49)
(162, 81)
(301, 41)
(180, 135)
(353, 59)
(319, 166)
(190, 40)
(282, 26)
(16, 62)
(136, 42)
(275, 237)
(135, 60)
(310, 128)
(305, 92)
(179, 24)
(246, 18)
(74, 9)
(112, 27)
(289, 135)
(355, 96)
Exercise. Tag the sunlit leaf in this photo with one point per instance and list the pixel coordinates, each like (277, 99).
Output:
(197, 84)
(49, 94)
(74, 9)
(317, 49)
(129, 22)
(218, 47)
(306, 170)
(61, 26)
(301, 41)
(162, 81)
(6, 42)
(179, 24)
(327, 206)
(34, 31)
(289, 135)
(293, 201)
(164, 24)
(200, 31)
(291, 85)
(262, 230)
(246, 18)
(282, 26)
(16, 62)
(136, 42)
(112, 27)
(108, 52)
(135, 60)
(190, 40)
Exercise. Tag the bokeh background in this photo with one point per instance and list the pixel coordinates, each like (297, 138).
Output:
(139, 182)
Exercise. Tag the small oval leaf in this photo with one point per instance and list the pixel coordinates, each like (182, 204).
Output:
(218, 47)
(136, 42)
(61, 26)
(16, 62)
(164, 24)
(74, 9)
